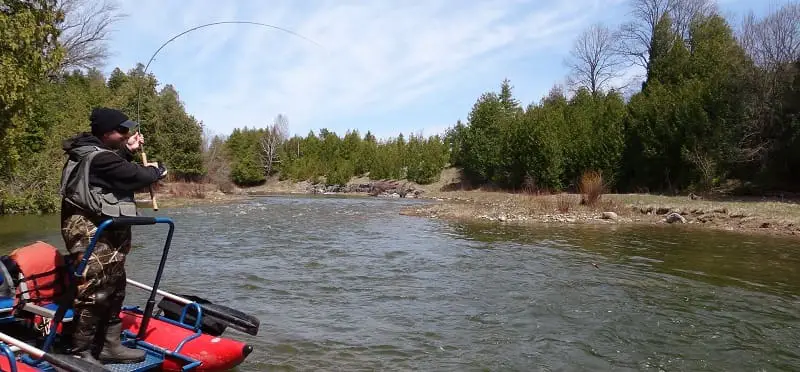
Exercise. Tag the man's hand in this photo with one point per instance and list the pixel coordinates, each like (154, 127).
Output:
(135, 142)
(162, 170)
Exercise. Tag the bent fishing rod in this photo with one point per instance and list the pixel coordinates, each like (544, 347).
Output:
(144, 73)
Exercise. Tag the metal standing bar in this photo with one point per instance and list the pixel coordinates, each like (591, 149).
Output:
(129, 221)
(151, 302)
(9, 354)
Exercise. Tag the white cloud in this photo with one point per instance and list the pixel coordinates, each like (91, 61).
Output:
(375, 56)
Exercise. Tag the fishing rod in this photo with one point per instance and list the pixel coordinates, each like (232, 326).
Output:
(139, 94)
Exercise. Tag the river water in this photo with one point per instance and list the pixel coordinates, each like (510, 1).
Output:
(349, 284)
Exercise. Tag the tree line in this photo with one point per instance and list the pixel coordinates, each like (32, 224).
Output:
(717, 104)
(254, 154)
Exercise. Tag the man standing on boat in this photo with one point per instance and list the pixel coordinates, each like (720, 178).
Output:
(98, 181)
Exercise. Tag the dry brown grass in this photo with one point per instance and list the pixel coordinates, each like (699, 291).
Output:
(564, 202)
(591, 187)
(186, 189)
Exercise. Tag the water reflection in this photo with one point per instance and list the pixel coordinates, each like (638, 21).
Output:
(753, 262)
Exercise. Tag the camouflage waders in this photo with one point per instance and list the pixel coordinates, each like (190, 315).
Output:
(101, 292)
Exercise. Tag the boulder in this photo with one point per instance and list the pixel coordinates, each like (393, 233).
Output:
(610, 216)
(674, 217)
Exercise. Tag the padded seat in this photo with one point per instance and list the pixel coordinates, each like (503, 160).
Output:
(48, 311)
(6, 305)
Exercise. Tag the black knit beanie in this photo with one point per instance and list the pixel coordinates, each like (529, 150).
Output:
(104, 120)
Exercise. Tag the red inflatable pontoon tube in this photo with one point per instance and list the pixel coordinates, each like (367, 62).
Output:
(215, 353)
(21, 367)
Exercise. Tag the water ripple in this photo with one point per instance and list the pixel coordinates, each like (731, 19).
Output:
(349, 284)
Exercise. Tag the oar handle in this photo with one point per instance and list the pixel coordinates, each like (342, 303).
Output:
(69, 363)
(249, 326)
(165, 294)
(73, 364)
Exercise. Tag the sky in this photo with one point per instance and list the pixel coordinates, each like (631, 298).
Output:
(389, 66)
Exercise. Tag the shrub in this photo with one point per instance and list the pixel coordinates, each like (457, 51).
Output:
(591, 187)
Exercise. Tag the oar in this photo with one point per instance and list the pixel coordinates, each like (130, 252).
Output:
(68, 362)
(235, 318)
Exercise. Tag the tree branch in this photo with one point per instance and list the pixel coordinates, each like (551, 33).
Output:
(84, 32)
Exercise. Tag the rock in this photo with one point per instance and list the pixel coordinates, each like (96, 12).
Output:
(765, 225)
(363, 187)
(722, 210)
(610, 216)
(705, 219)
(502, 218)
(662, 210)
(674, 217)
(678, 211)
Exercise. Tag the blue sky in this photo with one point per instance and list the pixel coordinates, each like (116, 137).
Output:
(387, 66)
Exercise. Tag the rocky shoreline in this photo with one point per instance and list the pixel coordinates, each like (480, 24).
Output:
(758, 217)
(381, 188)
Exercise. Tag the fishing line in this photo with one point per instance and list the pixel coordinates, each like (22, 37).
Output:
(141, 83)
(139, 98)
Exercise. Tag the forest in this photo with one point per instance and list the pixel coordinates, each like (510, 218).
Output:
(718, 104)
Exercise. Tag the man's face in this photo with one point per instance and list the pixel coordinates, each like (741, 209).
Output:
(116, 138)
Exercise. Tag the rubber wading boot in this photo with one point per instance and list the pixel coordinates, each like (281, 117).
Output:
(83, 348)
(114, 352)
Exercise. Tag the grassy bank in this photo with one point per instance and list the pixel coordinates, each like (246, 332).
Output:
(591, 205)
(763, 216)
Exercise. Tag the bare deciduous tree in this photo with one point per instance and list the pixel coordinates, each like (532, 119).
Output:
(684, 12)
(773, 43)
(84, 32)
(216, 160)
(636, 35)
(775, 40)
(594, 62)
(275, 136)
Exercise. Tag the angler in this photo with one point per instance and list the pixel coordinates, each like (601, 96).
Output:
(98, 181)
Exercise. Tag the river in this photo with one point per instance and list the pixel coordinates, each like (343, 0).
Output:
(349, 284)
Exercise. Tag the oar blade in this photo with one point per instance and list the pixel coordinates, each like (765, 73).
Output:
(215, 317)
(235, 318)
(73, 364)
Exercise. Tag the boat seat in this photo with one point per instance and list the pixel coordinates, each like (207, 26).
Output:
(47, 311)
(6, 306)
